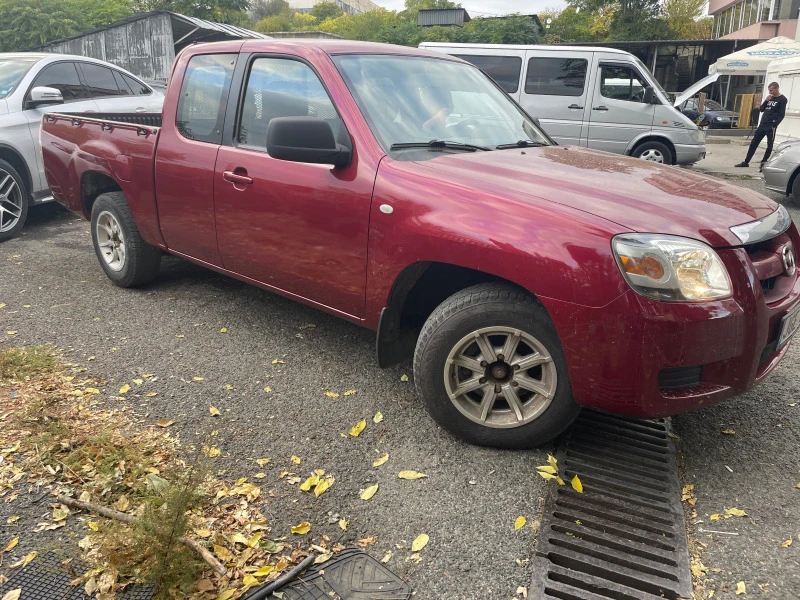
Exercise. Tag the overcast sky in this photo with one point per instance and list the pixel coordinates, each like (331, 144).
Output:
(490, 8)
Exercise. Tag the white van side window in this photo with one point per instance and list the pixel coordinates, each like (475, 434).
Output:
(621, 83)
(556, 76)
(504, 70)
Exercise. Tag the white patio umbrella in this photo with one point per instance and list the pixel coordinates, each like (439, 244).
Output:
(755, 59)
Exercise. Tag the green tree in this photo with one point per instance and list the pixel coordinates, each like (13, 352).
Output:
(261, 9)
(326, 10)
(683, 17)
(213, 10)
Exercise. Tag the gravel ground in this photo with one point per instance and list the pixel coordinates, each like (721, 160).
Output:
(171, 329)
(754, 469)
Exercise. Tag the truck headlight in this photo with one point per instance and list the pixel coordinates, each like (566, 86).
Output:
(671, 268)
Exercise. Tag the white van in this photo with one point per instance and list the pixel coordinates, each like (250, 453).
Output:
(786, 71)
(601, 98)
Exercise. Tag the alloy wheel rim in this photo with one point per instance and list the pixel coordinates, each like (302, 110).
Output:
(10, 202)
(652, 156)
(111, 241)
(500, 377)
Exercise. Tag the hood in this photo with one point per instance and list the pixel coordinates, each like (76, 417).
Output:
(694, 88)
(636, 194)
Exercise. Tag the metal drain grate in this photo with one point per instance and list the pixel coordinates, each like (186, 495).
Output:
(624, 538)
(48, 578)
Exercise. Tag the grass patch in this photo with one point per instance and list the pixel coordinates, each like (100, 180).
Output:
(21, 363)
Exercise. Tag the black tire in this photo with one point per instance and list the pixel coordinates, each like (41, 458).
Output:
(796, 188)
(454, 321)
(10, 226)
(141, 262)
(653, 149)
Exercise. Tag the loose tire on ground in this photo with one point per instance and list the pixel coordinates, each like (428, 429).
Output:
(14, 201)
(126, 259)
(469, 342)
(654, 152)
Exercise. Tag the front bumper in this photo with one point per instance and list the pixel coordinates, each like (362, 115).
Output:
(687, 154)
(618, 354)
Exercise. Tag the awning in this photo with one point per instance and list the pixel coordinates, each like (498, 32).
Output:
(755, 59)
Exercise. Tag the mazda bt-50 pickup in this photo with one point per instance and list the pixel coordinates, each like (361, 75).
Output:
(404, 191)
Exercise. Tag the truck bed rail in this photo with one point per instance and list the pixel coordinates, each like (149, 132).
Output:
(146, 119)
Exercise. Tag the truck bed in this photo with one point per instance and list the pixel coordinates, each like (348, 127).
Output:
(148, 119)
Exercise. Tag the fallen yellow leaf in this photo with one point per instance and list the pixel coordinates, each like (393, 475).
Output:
(151, 394)
(214, 411)
(356, 430)
(295, 459)
(787, 543)
(420, 542)
(213, 452)
(343, 523)
(380, 460)
(224, 330)
(278, 361)
(28, 558)
(403, 377)
(91, 390)
(198, 378)
(249, 581)
(741, 588)
(309, 483)
(714, 517)
(11, 332)
(378, 417)
(349, 393)
(323, 486)
(12, 519)
(226, 595)
(125, 389)
(263, 461)
(165, 422)
(728, 431)
(559, 480)
(331, 394)
(551, 460)
(265, 570)
(411, 475)
(577, 485)
(302, 529)
(519, 523)
(547, 476)
(734, 512)
(13, 543)
(138, 381)
(267, 389)
(547, 469)
(369, 492)
(13, 594)
(122, 504)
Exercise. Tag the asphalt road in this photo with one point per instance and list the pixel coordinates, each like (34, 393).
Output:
(471, 497)
(467, 504)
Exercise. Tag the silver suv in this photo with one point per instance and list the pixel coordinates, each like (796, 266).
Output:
(34, 84)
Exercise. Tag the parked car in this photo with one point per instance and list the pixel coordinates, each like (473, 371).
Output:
(782, 169)
(34, 84)
(601, 98)
(403, 191)
(718, 116)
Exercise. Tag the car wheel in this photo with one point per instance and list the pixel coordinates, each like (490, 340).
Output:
(796, 188)
(654, 152)
(14, 201)
(490, 369)
(124, 256)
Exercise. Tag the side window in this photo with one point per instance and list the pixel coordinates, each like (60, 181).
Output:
(621, 83)
(556, 76)
(63, 77)
(503, 69)
(99, 81)
(138, 87)
(280, 87)
(204, 93)
(124, 88)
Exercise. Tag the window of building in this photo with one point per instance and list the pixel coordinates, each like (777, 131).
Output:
(556, 76)
(204, 93)
(504, 70)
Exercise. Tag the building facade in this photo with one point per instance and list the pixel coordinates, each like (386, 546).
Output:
(753, 19)
(352, 7)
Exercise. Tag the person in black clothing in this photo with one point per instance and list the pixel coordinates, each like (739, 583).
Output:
(773, 109)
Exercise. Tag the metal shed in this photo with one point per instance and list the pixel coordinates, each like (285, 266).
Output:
(147, 44)
(443, 17)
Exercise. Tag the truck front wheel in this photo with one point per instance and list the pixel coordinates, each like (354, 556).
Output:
(14, 200)
(125, 257)
(489, 368)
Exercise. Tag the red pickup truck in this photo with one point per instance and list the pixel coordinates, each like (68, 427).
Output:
(404, 191)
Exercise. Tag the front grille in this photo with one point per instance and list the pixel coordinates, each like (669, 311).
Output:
(767, 260)
(682, 377)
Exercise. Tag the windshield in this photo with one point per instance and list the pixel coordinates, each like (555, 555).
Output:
(11, 73)
(411, 100)
(646, 72)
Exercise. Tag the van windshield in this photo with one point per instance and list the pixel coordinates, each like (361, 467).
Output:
(651, 78)
(12, 70)
(411, 101)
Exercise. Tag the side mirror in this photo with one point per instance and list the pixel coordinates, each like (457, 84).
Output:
(306, 140)
(43, 96)
(649, 95)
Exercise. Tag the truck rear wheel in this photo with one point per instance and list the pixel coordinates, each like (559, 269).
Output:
(125, 257)
(14, 201)
(489, 368)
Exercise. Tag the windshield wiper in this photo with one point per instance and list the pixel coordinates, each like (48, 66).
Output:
(521, 144)
(439, 144)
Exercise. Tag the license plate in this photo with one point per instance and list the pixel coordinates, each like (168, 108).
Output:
(789, 326)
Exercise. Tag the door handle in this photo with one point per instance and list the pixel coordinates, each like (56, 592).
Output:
(601, 107)
(574, 106)
(141, 109)
(237, 178)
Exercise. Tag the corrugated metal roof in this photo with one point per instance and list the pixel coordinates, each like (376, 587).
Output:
(231, 30)
(443, 16)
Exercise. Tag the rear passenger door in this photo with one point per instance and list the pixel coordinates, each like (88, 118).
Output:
(62, 76)
(619, 113)
(504, 69)
(556, 92)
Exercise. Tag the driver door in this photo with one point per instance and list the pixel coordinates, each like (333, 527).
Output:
(62, 76)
